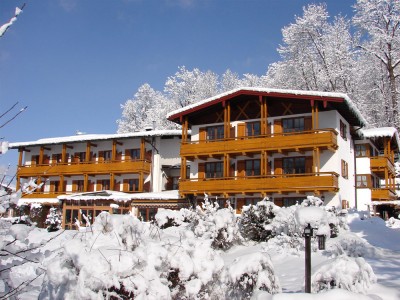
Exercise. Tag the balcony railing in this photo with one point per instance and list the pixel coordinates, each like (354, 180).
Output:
(286, 183)
(383, 194)
(380, 163)
(105, 167)
(293, 141)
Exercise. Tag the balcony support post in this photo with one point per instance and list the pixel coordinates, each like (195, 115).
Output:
(227, 119)
(112, 178)
(62, 181)
(226, 164)
(142, 149)
(64, 153)
(87, 156)
(85, 182)
(41, 153)
(183, 168)
(264, 115)
(113, 150)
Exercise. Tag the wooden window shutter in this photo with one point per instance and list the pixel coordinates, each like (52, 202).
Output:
(309, 164)
(99, 186)
(52, 186)
(201, 173)
(127, 154)
(202, 134)
(101, 155)
(241, 127)
(241, 168)
(308, 123)
(368, 150)
(278, 166)
(278, 126)
(91, 186)
(125, 187)
(232, 132)
(74, 185)
(146, 187)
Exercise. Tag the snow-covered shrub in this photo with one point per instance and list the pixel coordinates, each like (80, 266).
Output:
(343, 272)
(53, 220)
(351, 245)
(219, 225)
(249, 273)
(194, 268)
(393, 223)
(255, 218)
(166, 217)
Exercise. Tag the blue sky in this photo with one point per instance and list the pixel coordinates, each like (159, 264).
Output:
(73, 63)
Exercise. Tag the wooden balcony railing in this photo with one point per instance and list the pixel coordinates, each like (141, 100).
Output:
(105, 167)
(380, 163)
(298, 183)
(294, 141)
(383, 194)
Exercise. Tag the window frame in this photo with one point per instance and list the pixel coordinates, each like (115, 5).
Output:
(345, 169)
(214, 169)
(251, 128)
(250, 167)
(343, 130)
(214, 132)
(294, 127)
(296, 168)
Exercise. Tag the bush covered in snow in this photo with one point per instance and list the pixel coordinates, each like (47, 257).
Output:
(249, 273)
(219, 225)
(348, 273)
(255, 218)
(393, 223)
(166, 217)
(53, 220)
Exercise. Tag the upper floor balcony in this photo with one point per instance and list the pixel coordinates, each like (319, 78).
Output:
(383, 194)
(381, 163)
(91, 167)
(268, 184)
(277, 142)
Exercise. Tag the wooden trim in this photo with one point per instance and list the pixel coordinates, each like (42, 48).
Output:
(278, 126)
(241, 129)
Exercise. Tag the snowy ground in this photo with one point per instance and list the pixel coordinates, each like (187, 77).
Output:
(380, 248)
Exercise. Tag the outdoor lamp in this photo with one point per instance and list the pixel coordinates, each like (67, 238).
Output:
(321, 242)
(308, 231)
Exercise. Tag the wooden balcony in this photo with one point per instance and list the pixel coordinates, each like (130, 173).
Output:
(287, 183)
(106, 167)
(381, 163)
(282, 142)
(383, 194)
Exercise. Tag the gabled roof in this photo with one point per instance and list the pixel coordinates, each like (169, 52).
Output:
(95, 137)
(344, 102)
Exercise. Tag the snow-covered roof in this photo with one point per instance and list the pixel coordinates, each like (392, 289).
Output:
(99, 195)
(40, 201)
(95, 137)
(164, 195)
(120, 196)
(381, 132)
(243, 90)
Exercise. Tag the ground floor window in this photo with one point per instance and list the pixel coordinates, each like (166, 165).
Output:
(292, 201)
(147, 214)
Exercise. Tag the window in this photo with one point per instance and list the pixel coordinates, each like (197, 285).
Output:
(133, 185)
(107, 155)
(35, 159)
(57, 158)
(362, 181)
(252, 201)
(292, 201)
(343, 130)
(253, 129)
(294, 165)
(215, 132)
(345, 169)
(134, 153)
(293, 125)
(105, 184)
(54, 186)
(253, 167)
(361, 150)
(214, 170)
(80, 156)
(78, 186)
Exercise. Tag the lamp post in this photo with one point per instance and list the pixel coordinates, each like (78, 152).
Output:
(308, 232)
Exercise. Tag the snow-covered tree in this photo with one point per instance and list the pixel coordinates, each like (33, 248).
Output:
(316, 53)
(187, 87)
(53, 220)
(146, 106)
(378, 22)
(6, 26)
